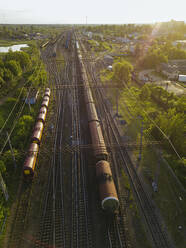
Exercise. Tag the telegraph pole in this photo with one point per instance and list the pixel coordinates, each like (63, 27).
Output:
(141, 141)
(3, 187)
(12, 152)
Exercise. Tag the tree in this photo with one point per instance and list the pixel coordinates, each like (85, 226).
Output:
(8, 76)
(14, 67)
(145, 93)
(2, 167)
(153, 58)
(21, 57)
(122, 72)
(22, 131)
(2, 82)
(8, 160)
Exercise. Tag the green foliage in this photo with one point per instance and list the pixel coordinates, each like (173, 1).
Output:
(21, 57)
(14, 67)
(158, 53)
(8, 76)
(9, 103)
(166, 110)
(22, 131)
(119, 30)
(122, 72)
(154, 58)
(99, 46)
(2, 167)
(145, 93)
(8, 160)
(2, 82)
(173, 125)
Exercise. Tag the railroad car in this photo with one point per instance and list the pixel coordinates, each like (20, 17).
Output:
(30, 161)
(88, 95)
(98, 143)
(47, 92)
(37, 133)
(67, 41)
(91, 112)
(45, 102)
(107, 190)
(43, 110)
(42, 116)
(44, 44)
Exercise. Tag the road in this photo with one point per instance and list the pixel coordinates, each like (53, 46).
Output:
(170, 86)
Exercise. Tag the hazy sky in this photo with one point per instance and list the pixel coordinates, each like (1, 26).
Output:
(97, 11)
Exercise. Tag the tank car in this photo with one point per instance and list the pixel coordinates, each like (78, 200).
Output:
(88, 95)
(41, 117)
(107, 190)
(37, 133)
(47, 92)
(30, 161)
(43, 110)
(45, 102)
(91, 112)
(98, 144)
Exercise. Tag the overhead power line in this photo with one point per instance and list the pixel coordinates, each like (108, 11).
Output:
(162, 132)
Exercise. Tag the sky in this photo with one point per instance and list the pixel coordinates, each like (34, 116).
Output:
(96, 11)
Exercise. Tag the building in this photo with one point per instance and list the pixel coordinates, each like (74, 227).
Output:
(181, 42)
(173, 68)
(182, 78)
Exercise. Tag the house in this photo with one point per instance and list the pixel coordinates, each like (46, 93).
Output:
(170, 71)
(181, 42)
(182, 78)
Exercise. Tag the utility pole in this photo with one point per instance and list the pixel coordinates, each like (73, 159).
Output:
(12, 152)
(117, 99)
(155, 182)
(3, 187)
(29, 105)
(141, 141)
(86, 20)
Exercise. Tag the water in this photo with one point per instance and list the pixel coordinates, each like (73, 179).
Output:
(13, 48)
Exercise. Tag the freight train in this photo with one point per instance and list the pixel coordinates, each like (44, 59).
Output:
(107, 189)
(30, 161)
(44, 44)
(67, 40)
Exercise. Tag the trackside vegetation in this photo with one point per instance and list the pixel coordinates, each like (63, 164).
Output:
(159, 110)
(20, 73)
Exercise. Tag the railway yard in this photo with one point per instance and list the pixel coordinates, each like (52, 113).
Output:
(76, 195)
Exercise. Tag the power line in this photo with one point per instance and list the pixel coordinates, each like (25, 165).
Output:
(162, 132)
(11, 111)
(18, 100)
(18, 116)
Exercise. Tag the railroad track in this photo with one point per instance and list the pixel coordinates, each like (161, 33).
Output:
(65, 223)
(81, 227)
(52, 222)
(117, 227)
(20, 217)
(158, 236)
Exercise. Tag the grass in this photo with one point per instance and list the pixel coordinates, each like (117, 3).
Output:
(182, 84)
(11, 176)
(167, 197)
(136, 227)
(6, 43)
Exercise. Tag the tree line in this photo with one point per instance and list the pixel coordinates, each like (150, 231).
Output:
(157, 107)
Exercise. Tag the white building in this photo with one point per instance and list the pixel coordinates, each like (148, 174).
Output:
(182, 78)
